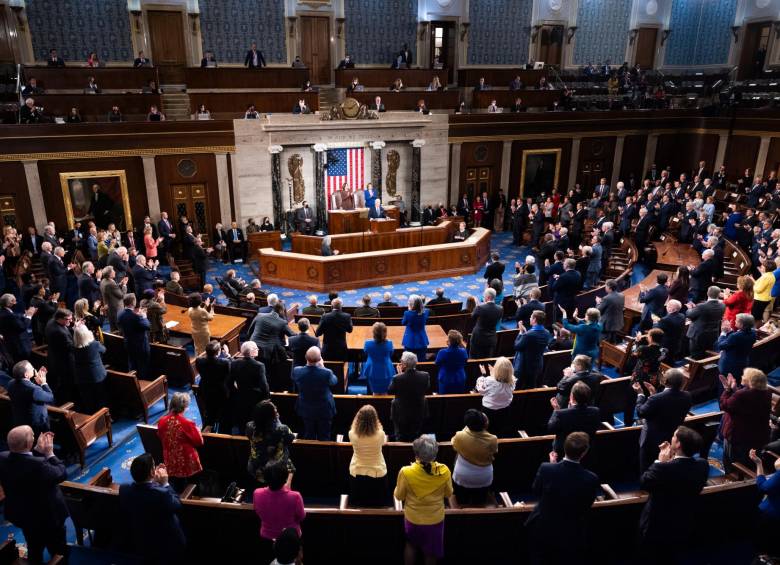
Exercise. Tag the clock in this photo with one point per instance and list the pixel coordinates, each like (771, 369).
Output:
(444, 3)
(651, 8)
(555, 5)
(350, 107)
(187, 168)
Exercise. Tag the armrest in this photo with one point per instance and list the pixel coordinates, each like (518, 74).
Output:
(187, 492)
(66, 406)
(744, 472)
(343, 502)
(609, 491)
(523, 434)
(102, 413)
(608, 426)
(505, 499)
(397, 504)
(772, 453)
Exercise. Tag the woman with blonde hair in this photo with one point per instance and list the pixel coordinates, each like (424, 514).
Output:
(367, 470)
(90, 374)
(200, 313)
(150, 243)
(82, 313)
(497, 392)
(763, 303)
(746, 409)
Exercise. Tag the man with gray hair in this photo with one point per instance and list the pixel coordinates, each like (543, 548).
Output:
(387, 301)
(334, 327)
(30, 393)
(89, 287)
(702, 276)
(249, 383)
(15, 328)
(486, 318)
(273, 300)
(313, 308)
(315, 404)
(33, 501)
(46, 256)
(58, 272)
(409, 406)
(673, 325)
(112, 293)
(735, 345)
(705, 323)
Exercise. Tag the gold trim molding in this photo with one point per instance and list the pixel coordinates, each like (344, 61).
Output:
(52, 156)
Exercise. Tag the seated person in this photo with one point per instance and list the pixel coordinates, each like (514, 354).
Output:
(74, 117)
(307, 87)
(30, 113)
(387, 300)
(355, 86)
(251, 113)
(421, 107)
(92, 87)
(563, 340)
(151, 88)
(518, 105)
(298, 63)
(366, 310)
(435, 85)
(462, 234)
(32, 88)
(208, 61)
(266, 225)
(326, 249)
(313, 308)
(377, 105)
(93, 61)
(173, 285)
(114, 115)
(347, 62)
(516, 84)
(439, 298)
(155, 115)
(301, 107)
(493, 108)
(248, 302)
(254, 287)
(397, 85)
(54, 60)
(141, 61)
(202, 113)
(482, 85)
(208, 294)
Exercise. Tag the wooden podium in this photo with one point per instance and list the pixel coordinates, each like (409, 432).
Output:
(354, 221)
(383, 225)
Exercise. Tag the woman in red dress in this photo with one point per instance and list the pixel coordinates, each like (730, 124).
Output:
(740, 302)
(478, 208)
(180, 439)
(556, 200)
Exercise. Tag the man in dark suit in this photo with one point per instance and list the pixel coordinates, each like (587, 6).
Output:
(485, 316)
(135, 328)
(580, 370)
(673, 483)
(365, 310)
(236, 242)
(16, 328)
(45, 256)
(376, 211)
(377, 105)
(534, 303)
(464, 208)
(31, 241)
(642, 231)
(439, 298)
(701, 276)
(537, 224)
(141, 61)
(673, 326)
(29, 394)
(166, 231)
(58, 272)
(580, 416)
(611, 308)
(565, 492)
(151, 507)
(346, 62)
(254, 58)
(61, 360)
(662, 413)
(54, 60)
(301, 343)
(200, 259)
(530, 346)
(315, 404)
(705, 323)
(409, 408)
(89, 287)
(334, 327)
(495, 269)
(405, 57)
(566, 286)
(250, 385)
(304, 218)
(387, 300)
(33, 501)
(653, 300)
(735, 345)
(313, 308)
(144, 275)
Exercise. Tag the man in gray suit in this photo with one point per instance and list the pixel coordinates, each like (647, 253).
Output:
(112, 293)
(705, 323)
(611, 308)
(486, 317)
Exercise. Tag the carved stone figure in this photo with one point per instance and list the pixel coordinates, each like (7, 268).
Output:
(393, 161)
(295, 166)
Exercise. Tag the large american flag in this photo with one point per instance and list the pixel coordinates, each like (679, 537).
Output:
(344, 165)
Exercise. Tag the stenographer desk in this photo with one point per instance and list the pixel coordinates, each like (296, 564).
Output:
(375, 260)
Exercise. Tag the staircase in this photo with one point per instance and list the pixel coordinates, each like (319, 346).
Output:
(176, 105)
(329, 97)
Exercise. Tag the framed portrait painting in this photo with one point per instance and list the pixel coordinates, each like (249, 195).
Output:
(539, 172)
(99, 196)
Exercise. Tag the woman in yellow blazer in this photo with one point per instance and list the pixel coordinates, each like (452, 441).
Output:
(200, 313)
(762, 294)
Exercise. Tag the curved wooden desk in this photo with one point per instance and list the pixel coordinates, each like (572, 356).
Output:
(322, 274)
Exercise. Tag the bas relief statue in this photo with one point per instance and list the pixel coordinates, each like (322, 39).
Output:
(393, 161)
(295, 166)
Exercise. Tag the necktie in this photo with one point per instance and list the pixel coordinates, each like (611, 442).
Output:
(235, 235)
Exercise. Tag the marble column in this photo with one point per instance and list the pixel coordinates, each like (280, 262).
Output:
(454, 195)
(152, 191)
(506, 162)
(763, 152)
(319, 184)
(223, 187)
(276, 185)
(416, 154)
(574, 161)
(720, 154)
(36, 194)
(652, 145)
(376, 166)
(617, 160)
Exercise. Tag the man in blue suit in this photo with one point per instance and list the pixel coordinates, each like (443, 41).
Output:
(376, 211)
(530, 346)
(662, 412)
(315, 404)
(29, 394)
(16, 328)
(33, 501)
(135, 328)
(151, 506)
(566, 286)
(566, 491)
(144, 277)
(654, 301)
(301, 343)
(735, 346)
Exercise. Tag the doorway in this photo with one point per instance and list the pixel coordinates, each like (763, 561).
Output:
(166, 36)
(191, 200)
(754, 47)
(479, 180)
(550, 45)
(443, 48)
(644, 56)
(315, 47)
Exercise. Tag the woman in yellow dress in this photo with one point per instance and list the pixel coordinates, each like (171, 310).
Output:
(200, 313)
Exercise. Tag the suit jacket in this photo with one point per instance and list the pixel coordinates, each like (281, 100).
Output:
(409, 406)
(301, 216)
(165, 229)
(529, 355)
(375, 108)
(61, 362)
(566, 287)
(89, 288)
(673, 326)
(334, 327)
(578, 418)
(136, 332)
(151, 511)
(238, 237)
(611, 308)
(112, 295)
(28, 403)
(525, 311)
(17, 331)
(735, 348)
(33, 246)
(705, 318)
(315, 401)
(483, 338)
(662, 413)
(674, 488)
(701, 278)
(58, 275)
(214, 378)
(143, 279)
(250, 62)
(199, 259)
(299, 345)
(32, 493)
(373, 213)
(268, 331)
(494, 271)
(590, 378)
(654, 301)
(248, 376)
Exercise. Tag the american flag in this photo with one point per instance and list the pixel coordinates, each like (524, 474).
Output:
(344, 165)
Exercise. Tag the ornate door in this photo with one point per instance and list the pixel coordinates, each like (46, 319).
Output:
(191, 200)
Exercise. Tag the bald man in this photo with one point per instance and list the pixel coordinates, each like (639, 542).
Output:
(33, 501)
(315, 405)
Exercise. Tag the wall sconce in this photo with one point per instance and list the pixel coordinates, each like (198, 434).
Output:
(735, 32)
(632, 33)
(570, 33)
(535, 31)
(340, 27)
(291, 20)
(665, 35)
(464, 30)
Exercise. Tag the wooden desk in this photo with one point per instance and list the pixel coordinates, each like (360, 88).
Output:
(382, 226)
(356, 340)
(631, 294)
(232, 105)
(672, 254)
(339, 272)
(367, 241)
(76, 78)
(506, 98)
(383, 77)
(232, 77)
(407, 99)
(499, 77)
(262, 239)
(353, 221)
(95, 107)
(224, 329)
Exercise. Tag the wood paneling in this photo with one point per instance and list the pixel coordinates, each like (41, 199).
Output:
(498, 77)
(506, 98)
(13, 182)
(166, 34)
(741, 153)
(367, 241)
(384, 77)
(205, 173)
(517, 161)
(8, 35)
(683, 151)
(479, 156)
(232, 78)
(633, 158)
(772, 157)
(597, 155)
(232, 105)
(645, 47)
(52, 192)
(76, 78)
(407, 99)
(315, 47)
(95, 107)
